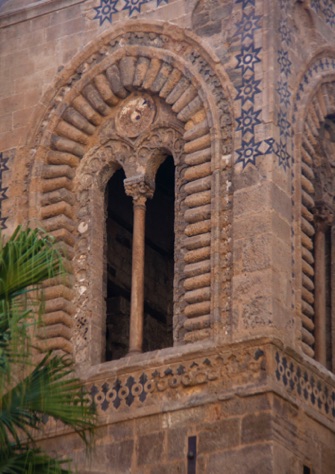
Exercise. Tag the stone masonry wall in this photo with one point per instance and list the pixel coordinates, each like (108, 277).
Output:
(241, 89)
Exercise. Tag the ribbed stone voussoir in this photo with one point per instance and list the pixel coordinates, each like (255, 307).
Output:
(171, 82)
(197, 255)
(195, 172)
(49, 185)
(114, 77)
(76, 119)
(200, 281)
(127, 70)
(67, 145)
(199, 268)
(187, 97)
(196, 131)
(201, 227)
(103, 85)
(198, 296)
(59, 304)
(161, 77)
(198, 144)
(199, 322)
(199, 185)
(198, 199)
(62, 158)
(95, 99)
(194, 336)
(198, 214)
(55, 344)
(54, 171)
(151, 74)
(142, 66)
(190, 109)
(58, 317)
(85, 108)
(54, 330)
(58, 196)
(182, 85)
(197, 241)
(197, 309)
(58, 222)
(61, 207)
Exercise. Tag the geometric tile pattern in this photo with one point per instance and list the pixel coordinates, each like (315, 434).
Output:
(248, 63)
(283, 91)
(144, 387)
(304, 385)
(3, 190)
(107, 8)
(326, 9)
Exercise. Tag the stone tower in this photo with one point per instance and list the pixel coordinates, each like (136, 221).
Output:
(182, 152)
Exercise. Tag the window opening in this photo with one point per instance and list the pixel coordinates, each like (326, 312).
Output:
(119, 230)
(159, 261)
(158, 265)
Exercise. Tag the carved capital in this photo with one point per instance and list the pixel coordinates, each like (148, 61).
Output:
(324, 216)
(139, 189)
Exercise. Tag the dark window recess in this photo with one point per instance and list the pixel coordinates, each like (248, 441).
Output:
(119, 231)
(192, 455)
(307, 470)
(159, 261)
(329, 286)
(159, 264)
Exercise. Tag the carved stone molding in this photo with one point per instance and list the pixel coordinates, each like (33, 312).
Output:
(139, 189)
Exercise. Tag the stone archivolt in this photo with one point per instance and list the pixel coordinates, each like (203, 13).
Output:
(140, 97)
(317, 200)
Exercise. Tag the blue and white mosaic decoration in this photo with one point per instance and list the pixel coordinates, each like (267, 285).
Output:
(248, 64)
(303, 385)
(3, 190)
(105, 11)
(326, 9)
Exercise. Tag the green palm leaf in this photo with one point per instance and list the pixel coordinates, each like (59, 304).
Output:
(29, 392)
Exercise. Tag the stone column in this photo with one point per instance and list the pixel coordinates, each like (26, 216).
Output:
(140, 191)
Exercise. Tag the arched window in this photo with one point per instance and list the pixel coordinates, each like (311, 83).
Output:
(318, 247)
(151, 324)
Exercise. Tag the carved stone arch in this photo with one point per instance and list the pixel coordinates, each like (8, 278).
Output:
(81, 127)
(311, 189)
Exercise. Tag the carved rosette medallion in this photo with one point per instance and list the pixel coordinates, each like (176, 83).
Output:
(136, 115)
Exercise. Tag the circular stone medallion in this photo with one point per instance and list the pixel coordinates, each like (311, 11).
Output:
(136, 115)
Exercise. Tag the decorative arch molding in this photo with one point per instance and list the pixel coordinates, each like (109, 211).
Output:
(76, 150)
(317, 99)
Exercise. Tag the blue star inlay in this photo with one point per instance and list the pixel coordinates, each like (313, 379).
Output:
(283, 156)
(284, 125)
(248, 90)
(248, 25)
(248, 153)
(248, 58)
(316, 5)
(248, 120)
(134, 6)
(284, 4)
(285, 33)
(284, 93)
(105, 11)
(245, 3)
(3, 191)
(159, 2)
(284, 62)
